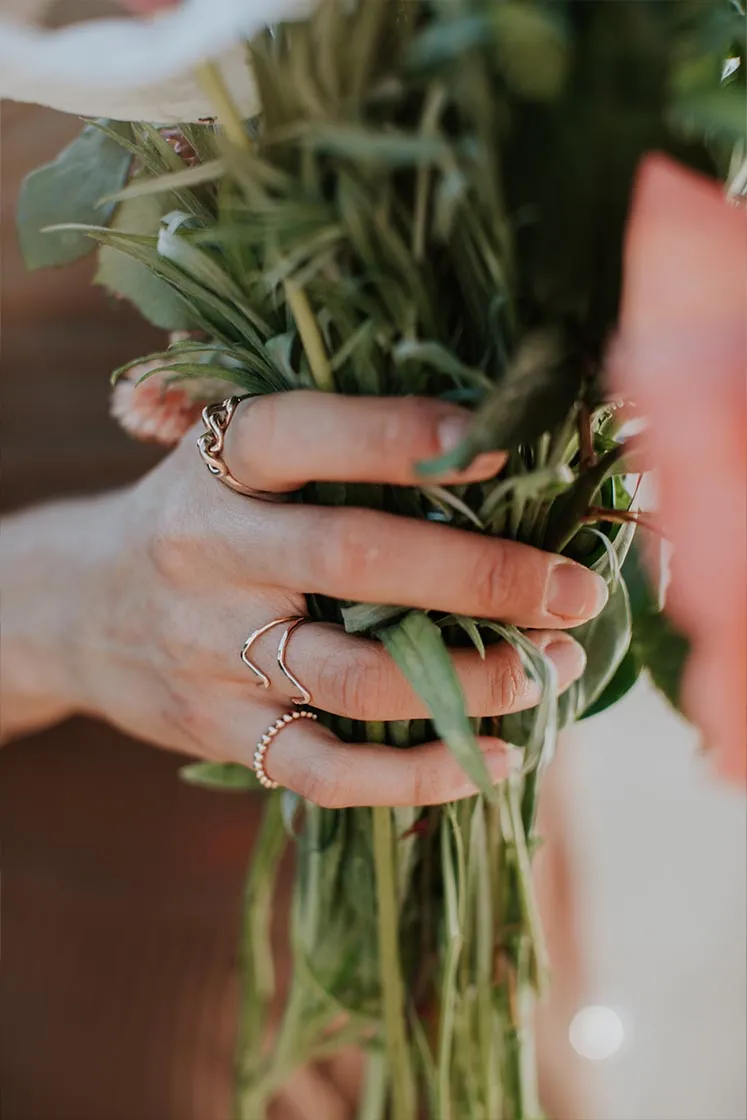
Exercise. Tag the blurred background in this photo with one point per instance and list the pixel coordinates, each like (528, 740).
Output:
(121, 885)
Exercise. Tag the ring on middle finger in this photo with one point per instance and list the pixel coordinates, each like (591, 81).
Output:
(291, 623)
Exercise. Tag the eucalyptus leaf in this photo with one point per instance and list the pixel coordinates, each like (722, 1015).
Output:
(418, 648)
(130, 279)
(69, 190)
(219, 775)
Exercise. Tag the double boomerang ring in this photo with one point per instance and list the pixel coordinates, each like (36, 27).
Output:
(292, 622)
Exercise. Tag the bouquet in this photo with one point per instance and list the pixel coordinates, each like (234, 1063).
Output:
(432, 201)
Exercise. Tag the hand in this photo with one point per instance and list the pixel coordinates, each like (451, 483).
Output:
(682, 356)
(192, 568)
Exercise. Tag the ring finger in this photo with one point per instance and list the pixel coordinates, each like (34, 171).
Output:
(356, 677)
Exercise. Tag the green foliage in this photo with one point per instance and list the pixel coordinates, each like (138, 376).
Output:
(434, 203)
(219, 775)
(128, 278)
(70, 189)
(418, 648)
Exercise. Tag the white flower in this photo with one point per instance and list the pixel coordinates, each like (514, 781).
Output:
(106, 67)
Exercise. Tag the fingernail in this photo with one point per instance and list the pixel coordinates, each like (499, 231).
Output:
(574, 593)
(568, 657)
(453, 430)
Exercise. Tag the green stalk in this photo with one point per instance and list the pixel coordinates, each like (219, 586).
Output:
(211, 80)
(392, 987)
(258, 979)
(373, 1100)
(311, 338)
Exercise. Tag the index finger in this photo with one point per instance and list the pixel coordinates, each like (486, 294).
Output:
(283, 441)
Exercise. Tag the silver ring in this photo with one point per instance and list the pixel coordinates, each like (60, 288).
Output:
(292, 622)
(263, 744)
(216, 418)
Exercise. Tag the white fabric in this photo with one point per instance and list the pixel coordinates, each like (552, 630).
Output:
(661, 868)
(106, 67)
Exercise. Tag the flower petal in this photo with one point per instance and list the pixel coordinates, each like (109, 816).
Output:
(105, 67)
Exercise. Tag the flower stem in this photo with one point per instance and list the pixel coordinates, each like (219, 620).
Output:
(392, 988)
(229, 117)
(311, 339)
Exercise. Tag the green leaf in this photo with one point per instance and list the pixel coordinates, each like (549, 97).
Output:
(368, 145)
(130, 279)
(532, 49)
(542, 484)
(470, 628)
(720, 113)
(172, 181)
(537, 729)
(449, 503)
(664, 651)
(69, 189)
(628, 672)
(219, 775)
(365, 617)
(606, 640)
(418, 648)
(534, 394)
(435, 356)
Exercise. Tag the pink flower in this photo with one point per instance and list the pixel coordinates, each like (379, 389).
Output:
(682, 356)
(154, 410)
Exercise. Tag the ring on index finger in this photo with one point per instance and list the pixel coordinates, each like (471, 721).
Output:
(216, 418)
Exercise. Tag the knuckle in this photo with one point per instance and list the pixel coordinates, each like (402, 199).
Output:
(322, 783)
(344, 551)
(426, 784)
(507, 685)
(252, 437)
(171, 547)
(350, 688)
(492, 579)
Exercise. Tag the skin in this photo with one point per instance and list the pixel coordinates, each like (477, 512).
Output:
(134, 606)
(681, 356)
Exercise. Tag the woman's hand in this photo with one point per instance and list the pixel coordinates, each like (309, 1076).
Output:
(179, 570)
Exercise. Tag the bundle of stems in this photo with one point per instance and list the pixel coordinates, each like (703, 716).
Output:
(433, 202)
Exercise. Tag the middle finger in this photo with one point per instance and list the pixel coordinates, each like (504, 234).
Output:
(371, 557)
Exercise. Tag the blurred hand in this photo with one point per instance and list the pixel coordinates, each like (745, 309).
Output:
(183, 569)
(682, 356)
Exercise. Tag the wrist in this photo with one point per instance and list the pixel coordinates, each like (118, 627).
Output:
(53, 561)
